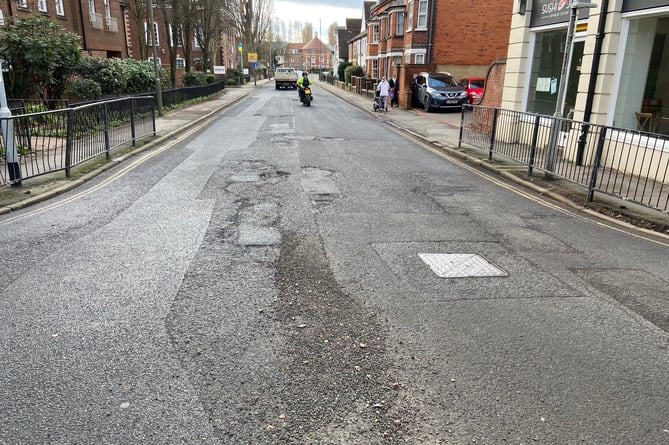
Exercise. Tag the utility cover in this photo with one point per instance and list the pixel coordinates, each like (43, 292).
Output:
(460, 265)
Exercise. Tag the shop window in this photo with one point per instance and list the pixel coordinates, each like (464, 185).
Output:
(643, 94)
(546, 68)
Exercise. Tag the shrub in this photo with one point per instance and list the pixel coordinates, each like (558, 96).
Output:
(341, 69)
(194, 78)
(82, 88)
(353, 71)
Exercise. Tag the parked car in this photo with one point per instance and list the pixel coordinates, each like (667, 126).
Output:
(438, 90)
(474, 87)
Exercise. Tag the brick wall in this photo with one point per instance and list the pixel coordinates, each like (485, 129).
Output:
(494, 86)
(471, 33)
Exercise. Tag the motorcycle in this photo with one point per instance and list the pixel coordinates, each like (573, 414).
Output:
(307, 97)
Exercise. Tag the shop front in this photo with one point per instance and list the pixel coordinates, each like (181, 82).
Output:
(630, 64)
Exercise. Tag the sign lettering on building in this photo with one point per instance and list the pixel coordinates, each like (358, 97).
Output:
(550, 12)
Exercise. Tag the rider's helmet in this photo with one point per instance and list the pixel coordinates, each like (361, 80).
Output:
(304, 74)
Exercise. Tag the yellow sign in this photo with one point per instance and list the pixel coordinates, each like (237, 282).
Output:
(253, 57)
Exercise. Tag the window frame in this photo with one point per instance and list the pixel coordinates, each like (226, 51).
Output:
(399, 23)
(422, 15)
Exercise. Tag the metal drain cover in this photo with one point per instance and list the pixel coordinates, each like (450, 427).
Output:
(461, 265)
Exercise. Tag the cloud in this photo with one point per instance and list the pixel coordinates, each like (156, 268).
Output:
(324, 11)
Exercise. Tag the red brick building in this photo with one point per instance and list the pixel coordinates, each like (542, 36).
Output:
(463, 38)
(100, 23)
(110, 28)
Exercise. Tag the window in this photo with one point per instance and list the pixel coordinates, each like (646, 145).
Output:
(22, 3)
(148, 35)
(181, 62)
(407, 57)
(375, 33)
(41, 5)
(59, 8)
(2, 18)
(422, 15)
(546, 71)
(399, 24)
(177, 36)
(644, 77)
(420, 59)
(410, 18)
(150, 59)
(375, 68)
(107, 9)
(91, 7)
(199, 36)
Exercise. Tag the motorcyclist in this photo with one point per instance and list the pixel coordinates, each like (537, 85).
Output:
(303, 82)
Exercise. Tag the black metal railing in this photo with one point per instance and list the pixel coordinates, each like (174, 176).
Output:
(176, 96)
(627, 164)
(52, 141)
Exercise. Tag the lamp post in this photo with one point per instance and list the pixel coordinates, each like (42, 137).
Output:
(7, 128)
(574, 6)
(152, 33)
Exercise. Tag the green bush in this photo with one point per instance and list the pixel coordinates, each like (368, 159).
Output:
(353, 71)
(82, 88)
(108, 73)
(142, 76)
(194, 78)
(341, 69)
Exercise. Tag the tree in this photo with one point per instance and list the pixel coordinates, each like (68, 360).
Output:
(41, 56)
(307, 33)
(332, 31)
(252, 19)
(138, 13)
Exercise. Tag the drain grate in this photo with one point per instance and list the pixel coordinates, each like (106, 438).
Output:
(461, 265)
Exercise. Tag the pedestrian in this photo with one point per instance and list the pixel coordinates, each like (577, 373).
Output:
(394, 92)
(384, 90)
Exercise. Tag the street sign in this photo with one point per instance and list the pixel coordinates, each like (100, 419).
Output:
(253, 57)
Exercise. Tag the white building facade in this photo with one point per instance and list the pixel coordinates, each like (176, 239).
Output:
(619, 69)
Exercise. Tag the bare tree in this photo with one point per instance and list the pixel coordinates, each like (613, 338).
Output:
(332, 31)
(307, 33)
(138, 14)
(252, 18)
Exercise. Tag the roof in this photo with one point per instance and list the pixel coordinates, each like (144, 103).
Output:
(315, 43)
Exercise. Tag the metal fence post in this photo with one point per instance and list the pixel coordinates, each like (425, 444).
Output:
(533, 147)
(596, 162)
(493, 132)
(462, 126)
(68, 144)
(133, 133)
(105, 117)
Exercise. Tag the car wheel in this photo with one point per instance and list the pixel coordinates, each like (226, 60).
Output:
(427, 104)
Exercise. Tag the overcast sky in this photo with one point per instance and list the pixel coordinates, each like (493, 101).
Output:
(327, 11)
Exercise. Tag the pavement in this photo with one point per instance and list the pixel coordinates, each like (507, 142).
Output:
(438, 130)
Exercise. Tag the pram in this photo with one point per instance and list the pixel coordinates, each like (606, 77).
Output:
(378, 102)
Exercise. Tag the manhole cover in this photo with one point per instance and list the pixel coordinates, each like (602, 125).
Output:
(460, 265)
